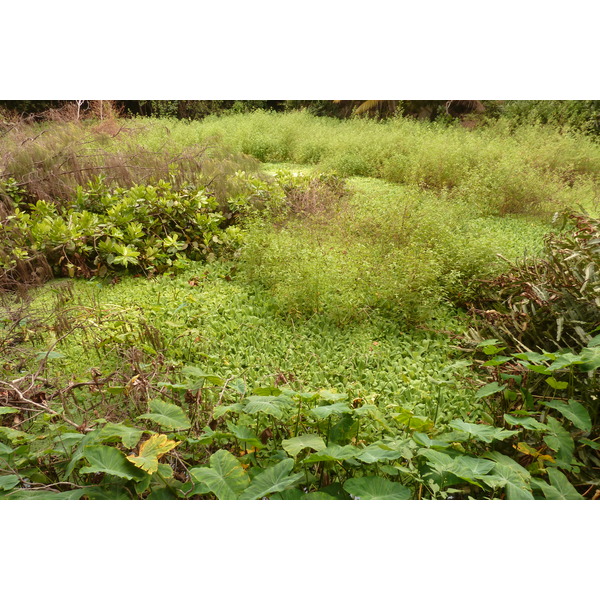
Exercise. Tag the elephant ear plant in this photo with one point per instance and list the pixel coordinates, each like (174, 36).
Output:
(198, 435)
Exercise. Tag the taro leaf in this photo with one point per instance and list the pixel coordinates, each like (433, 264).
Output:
(437, 461)
(484, 433)
(470, 468)
(225, 478)
(376, 488)
(244, 434)
(525, 422)
(162, 493)
(574, 411)
(295, 445)
(344, 430)
(424, 440)
(414, 422)
(200, 376)
(590, 358)
(129, 436)
(6, 410)
(489, 389)
(44, 495)
(150, 451)
(6, 450)
(332, 396)
(221, 410)
(595, 341)
(14, 435)
(532, 356)
(510, 474)
(106, 459)
(267, 391)
(107, 492)
(89, 439)
(331, 453)
(274, 479)
(557, 385)
(560, 488)
(270, 405)
(316, 496)
(8, 482)
(167, 415)
(497, 360)
(565, 360)
(322, 412)
(561, 442)
(376, 453)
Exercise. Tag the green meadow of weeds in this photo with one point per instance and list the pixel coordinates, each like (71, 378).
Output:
(532, 169)
(229, 328)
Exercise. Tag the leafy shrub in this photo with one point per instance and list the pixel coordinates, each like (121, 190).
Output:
(147, 227)
(552, 302)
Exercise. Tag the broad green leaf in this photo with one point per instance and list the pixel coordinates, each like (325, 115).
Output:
(316, 496)
(150, 452)
(221, 410)
(322, 412)
(560, 488)
(565, 360)
(106, 459)
(8, 482)
(561, 442)
(375, 453)
(225, 478)
(270, 405)
(489, 389)
(7, 410)
(574, 411)
(590, 358)
(6, 450)
(274, 479)
(516, 492)
(471, 468)
(89, 439)
(129, 436)
(437, 461)
(424, 440)
(332, 396)
(484, 433)
(20, 494)
(332, 453)
(557, 385)
(167, 415)
(14, 435)
(244, 434)
(295, 445)
(525, 422)
(376, 488)
(532, 356)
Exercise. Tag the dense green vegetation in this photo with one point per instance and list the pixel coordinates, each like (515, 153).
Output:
(361, 314)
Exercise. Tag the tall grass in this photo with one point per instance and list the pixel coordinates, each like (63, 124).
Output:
(529, 170)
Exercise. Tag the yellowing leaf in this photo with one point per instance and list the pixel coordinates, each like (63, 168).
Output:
(151, 450)
(527, 449)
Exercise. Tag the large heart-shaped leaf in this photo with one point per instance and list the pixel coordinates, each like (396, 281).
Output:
(484, 433)
(489, 389)
(376, 453)
(560, 488)
(295, 445)
(129, 436)
(333, 452)
(8, 482)
(274, 479)
(322, 412)
(167, 415)
(270, 405)
(225, 478)
(106, 459)
(376, 488)
(575, 412)
(151, 450)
